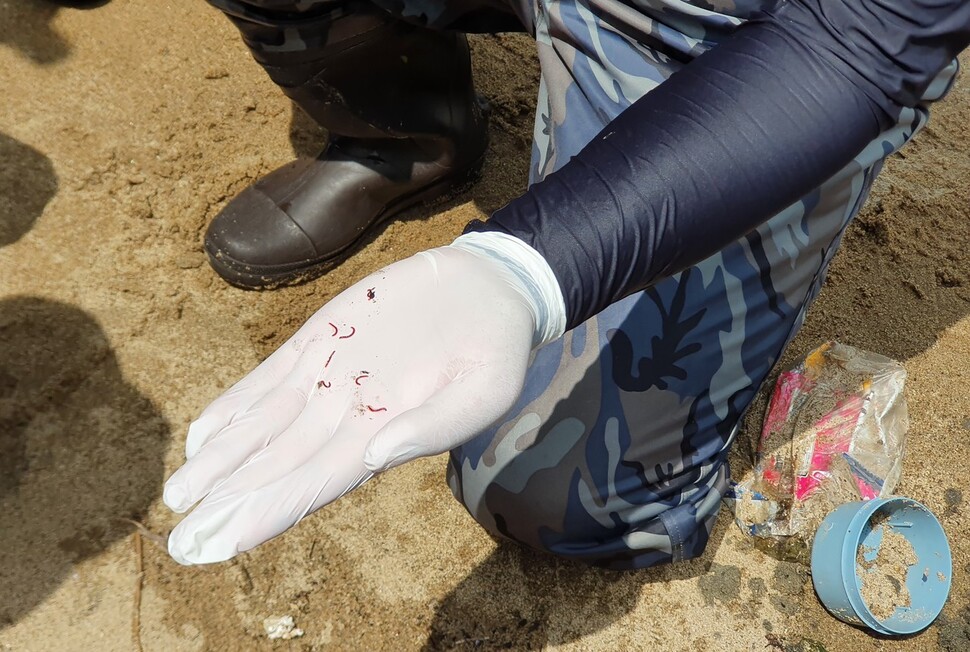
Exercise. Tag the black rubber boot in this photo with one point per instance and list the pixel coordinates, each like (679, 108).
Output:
(405, 127)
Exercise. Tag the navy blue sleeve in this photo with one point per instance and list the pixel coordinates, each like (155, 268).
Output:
(734, 137)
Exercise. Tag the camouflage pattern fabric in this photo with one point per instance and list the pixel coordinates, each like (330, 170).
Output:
(615, 453)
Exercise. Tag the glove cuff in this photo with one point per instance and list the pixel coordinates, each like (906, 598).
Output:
(531, 276)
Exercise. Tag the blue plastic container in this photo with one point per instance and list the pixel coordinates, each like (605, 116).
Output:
(836, 577)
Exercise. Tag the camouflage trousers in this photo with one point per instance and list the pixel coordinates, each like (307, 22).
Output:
(615, 453)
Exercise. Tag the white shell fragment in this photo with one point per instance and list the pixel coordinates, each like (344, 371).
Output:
(281, 627)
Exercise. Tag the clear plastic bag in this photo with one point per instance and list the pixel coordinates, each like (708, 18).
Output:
(834, 432)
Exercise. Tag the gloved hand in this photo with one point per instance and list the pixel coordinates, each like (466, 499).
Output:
(413, 360)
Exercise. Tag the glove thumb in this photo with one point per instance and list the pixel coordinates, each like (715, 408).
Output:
(451, 416)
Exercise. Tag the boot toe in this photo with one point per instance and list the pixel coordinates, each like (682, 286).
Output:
(254, 235)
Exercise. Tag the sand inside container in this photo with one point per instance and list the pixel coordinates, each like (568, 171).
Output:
(883, 579)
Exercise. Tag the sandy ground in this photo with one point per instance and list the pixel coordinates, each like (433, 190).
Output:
(123, 129)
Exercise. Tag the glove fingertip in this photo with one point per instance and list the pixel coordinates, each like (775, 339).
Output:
(202, 430)
(394, 444)
(175, 553)
(175, 498)
(190, 546)
(375, 459)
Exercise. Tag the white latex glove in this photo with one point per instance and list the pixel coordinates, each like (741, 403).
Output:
(411, 361)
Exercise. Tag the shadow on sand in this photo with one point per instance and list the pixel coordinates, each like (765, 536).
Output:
(81, 449)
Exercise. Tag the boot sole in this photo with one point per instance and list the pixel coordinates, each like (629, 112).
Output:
(254, 277)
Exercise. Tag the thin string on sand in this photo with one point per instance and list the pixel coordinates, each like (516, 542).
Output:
(136, 608)
(141, 533)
